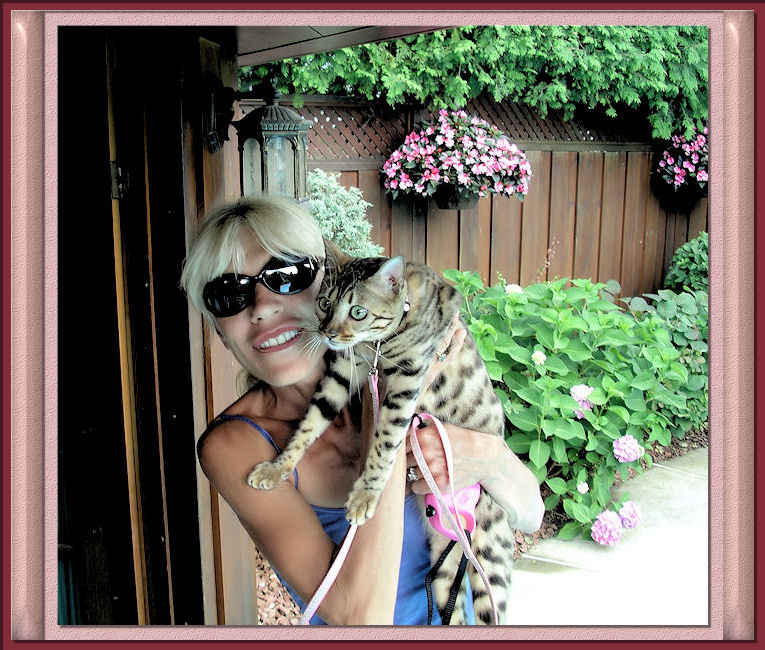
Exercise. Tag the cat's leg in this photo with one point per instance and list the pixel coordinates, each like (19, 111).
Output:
(392, 426)
(328, 400)
(493, 545)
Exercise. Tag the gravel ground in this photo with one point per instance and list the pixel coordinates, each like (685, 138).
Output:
(276, 607)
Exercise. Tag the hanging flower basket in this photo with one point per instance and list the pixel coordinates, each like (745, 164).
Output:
(681, 173)
(448, 197)
(457, 155)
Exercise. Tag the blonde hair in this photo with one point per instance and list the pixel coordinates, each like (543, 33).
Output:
(280, 226)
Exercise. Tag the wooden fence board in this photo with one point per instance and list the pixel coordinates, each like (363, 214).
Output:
(612, 215)
(653, 248)
(698, 219)
(349, 179)
(401, 228)
(638, 167)
(442, 238)
(420, 233)
(505, 239)
(562, 213)
(475, 238)
(589, 198)
(369, 184)
(536, 217)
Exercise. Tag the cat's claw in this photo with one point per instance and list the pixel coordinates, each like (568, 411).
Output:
(361, 505)
(267, 475)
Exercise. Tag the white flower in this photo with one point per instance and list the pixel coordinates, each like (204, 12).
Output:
(580, 392)
(582, 487)
(513, 288)
(539, 357)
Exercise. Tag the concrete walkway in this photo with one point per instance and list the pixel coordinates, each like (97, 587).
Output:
(657, 574)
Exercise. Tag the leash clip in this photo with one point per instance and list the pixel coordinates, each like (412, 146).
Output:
(373, 367)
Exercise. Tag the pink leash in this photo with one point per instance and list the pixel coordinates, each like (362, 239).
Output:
(334, 570)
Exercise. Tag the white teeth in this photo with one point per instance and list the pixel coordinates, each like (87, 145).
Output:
(282, 338)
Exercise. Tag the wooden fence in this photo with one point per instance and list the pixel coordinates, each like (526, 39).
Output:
(589, 214)
(590, 211)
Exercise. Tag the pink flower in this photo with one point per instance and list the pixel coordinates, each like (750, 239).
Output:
(629, 514)
(607, 528)
(702, 176)
(627, 449)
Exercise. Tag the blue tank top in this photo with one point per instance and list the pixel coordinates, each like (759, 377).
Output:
(411, 599)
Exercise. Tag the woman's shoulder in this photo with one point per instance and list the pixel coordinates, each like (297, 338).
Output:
(241, 429)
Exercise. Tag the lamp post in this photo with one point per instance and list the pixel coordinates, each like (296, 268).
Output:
(272, 150)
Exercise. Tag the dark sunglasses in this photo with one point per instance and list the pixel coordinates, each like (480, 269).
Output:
(232, 293)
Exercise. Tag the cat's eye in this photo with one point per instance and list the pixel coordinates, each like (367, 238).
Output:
(324, 303)
(358, 313)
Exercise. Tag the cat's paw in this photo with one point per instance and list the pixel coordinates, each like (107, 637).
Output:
(361, 505)
(267, 475)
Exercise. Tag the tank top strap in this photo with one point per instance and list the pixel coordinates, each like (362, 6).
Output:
(223, 417)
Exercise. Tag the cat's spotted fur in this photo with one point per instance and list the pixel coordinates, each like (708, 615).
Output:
(460, 394)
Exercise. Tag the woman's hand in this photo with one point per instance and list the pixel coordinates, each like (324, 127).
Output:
(480, 458)
(448, 349)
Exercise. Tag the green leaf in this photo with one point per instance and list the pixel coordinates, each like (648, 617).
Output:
(563, 428)
(559, 450)
(557, 485)
(539, 453)
(519, 443)
(551, 501)
(577, 351)
(554, 364)
(569, 530)
(645, 380)
(526, 419)
(622, 412)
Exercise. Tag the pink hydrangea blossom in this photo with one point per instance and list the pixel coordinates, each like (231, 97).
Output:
(629, 514)
(627, 449)
(607, 528)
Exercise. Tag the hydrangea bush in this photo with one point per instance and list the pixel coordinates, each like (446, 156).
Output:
(689, 266)
(460, 150)
(587, 385)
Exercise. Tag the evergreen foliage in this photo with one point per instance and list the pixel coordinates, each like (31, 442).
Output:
(661, 70)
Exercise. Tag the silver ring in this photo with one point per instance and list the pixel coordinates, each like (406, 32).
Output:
(411, 475)
(442, 357)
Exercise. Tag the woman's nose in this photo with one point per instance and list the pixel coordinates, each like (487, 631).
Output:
(267, 303)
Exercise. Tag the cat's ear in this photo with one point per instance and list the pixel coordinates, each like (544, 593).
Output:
(390, 277)
(335, 258)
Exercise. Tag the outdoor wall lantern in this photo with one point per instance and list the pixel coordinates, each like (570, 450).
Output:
(272, 150)
(272, 140)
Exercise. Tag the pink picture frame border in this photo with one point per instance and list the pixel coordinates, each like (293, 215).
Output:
(30, 326)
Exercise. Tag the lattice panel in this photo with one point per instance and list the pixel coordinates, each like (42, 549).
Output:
(342, 133)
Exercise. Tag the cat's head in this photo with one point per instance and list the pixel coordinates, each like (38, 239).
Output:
(361, 300)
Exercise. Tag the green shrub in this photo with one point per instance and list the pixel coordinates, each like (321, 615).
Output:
(575, 373)
(341, 213)
(689, 267)
(686, 317)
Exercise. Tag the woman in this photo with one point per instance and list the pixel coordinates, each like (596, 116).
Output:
(299, 525)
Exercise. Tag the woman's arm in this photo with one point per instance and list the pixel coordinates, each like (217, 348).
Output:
(288, 533)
